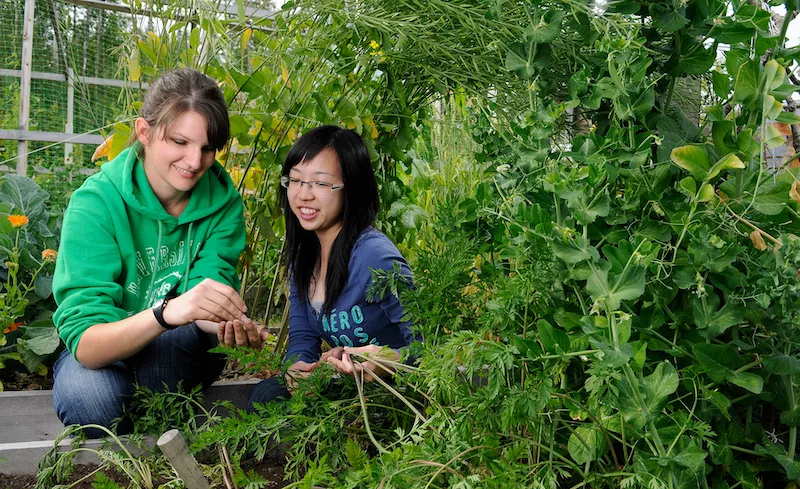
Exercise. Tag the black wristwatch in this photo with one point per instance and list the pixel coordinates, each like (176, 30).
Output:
(158, 311)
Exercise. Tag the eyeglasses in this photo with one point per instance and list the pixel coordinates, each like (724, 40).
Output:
(321, 187)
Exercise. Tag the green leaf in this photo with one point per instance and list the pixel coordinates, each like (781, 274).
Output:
(688, 186)
(240, 9)
(693, 159)
(692, 457)
(575, 250)
(134, 69)
(103, 482)
(773, 137)
(41, 337)
(722, 84)
(552, 339)
(659, 385)
(717, 361)
(31, 360)
(546, 28)
(748, 14)
(517, 61)
(697, 63)
(728, 162)
(791, 467)
(586, 444)
(25, 195)
(613, 289)
(667, 18)
(732, 33)
(791, 418)
(772, 108)
(585, 213)
(239, 125)
(356, 456)
(745, 87)
(751, 382)
(43, 286)
(772, 198)
(780, 364)
(774, 75)
(706, 193)
(788, 118)
(712, 321)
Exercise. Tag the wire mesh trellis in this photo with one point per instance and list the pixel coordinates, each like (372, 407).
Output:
(74, 85)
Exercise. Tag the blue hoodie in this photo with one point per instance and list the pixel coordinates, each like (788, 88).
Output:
(352, 321)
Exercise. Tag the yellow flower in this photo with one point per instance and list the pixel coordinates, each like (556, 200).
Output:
(374, 44)
(18, 220)
(49, 255)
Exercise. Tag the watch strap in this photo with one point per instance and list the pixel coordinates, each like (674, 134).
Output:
(158, 311)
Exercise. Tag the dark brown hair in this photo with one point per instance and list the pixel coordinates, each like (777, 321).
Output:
(186, 90)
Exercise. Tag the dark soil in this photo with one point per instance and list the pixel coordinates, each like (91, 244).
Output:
(22, 381)
(267, 470)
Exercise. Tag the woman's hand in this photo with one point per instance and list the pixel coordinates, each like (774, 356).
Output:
(298, 371)
(209, 300)
(242, 333)
(332, 353)
(370, 368)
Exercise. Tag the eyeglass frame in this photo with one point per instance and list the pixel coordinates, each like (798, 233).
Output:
(286, 180)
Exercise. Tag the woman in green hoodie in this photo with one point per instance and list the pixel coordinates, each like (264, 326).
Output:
(146, 276)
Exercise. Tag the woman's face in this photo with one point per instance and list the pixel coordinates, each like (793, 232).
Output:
(317, 207)
(175, 158)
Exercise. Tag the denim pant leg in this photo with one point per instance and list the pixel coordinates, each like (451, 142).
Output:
(265, 391)
(178, 355)
(84, 396)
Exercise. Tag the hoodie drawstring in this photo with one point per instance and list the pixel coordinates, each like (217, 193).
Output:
(157, 261)
(189, 257)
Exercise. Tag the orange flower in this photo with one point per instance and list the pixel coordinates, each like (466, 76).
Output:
(49, 255)
(18, 220)
(12, 327)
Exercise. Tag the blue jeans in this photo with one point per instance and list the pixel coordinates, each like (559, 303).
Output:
(267, 390)
(83, 396)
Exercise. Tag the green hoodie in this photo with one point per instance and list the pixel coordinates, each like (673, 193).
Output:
(121, 252)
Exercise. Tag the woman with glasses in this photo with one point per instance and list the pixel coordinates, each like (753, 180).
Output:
(330, 200)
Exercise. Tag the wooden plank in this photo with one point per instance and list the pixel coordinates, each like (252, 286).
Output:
(249, 12)
(51, 137)
(27, 416)
(86, 80)
(23, 458)
(25, 85)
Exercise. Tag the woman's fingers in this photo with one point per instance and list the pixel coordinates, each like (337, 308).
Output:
(209, 300)
(333, 353)
(219, 304)
(257, 334)
(221, 332)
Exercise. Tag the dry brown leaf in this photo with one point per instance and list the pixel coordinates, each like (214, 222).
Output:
(794, 193)
(758, 240)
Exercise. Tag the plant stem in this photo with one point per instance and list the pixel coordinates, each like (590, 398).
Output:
(787, 379)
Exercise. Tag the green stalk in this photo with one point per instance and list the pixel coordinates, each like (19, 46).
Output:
(787, 379)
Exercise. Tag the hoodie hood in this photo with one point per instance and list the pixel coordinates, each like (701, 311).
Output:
(214, 191)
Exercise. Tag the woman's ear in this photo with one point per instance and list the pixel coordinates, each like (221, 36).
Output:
(142, 129)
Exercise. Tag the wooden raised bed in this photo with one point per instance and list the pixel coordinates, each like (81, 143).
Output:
(29, 426)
